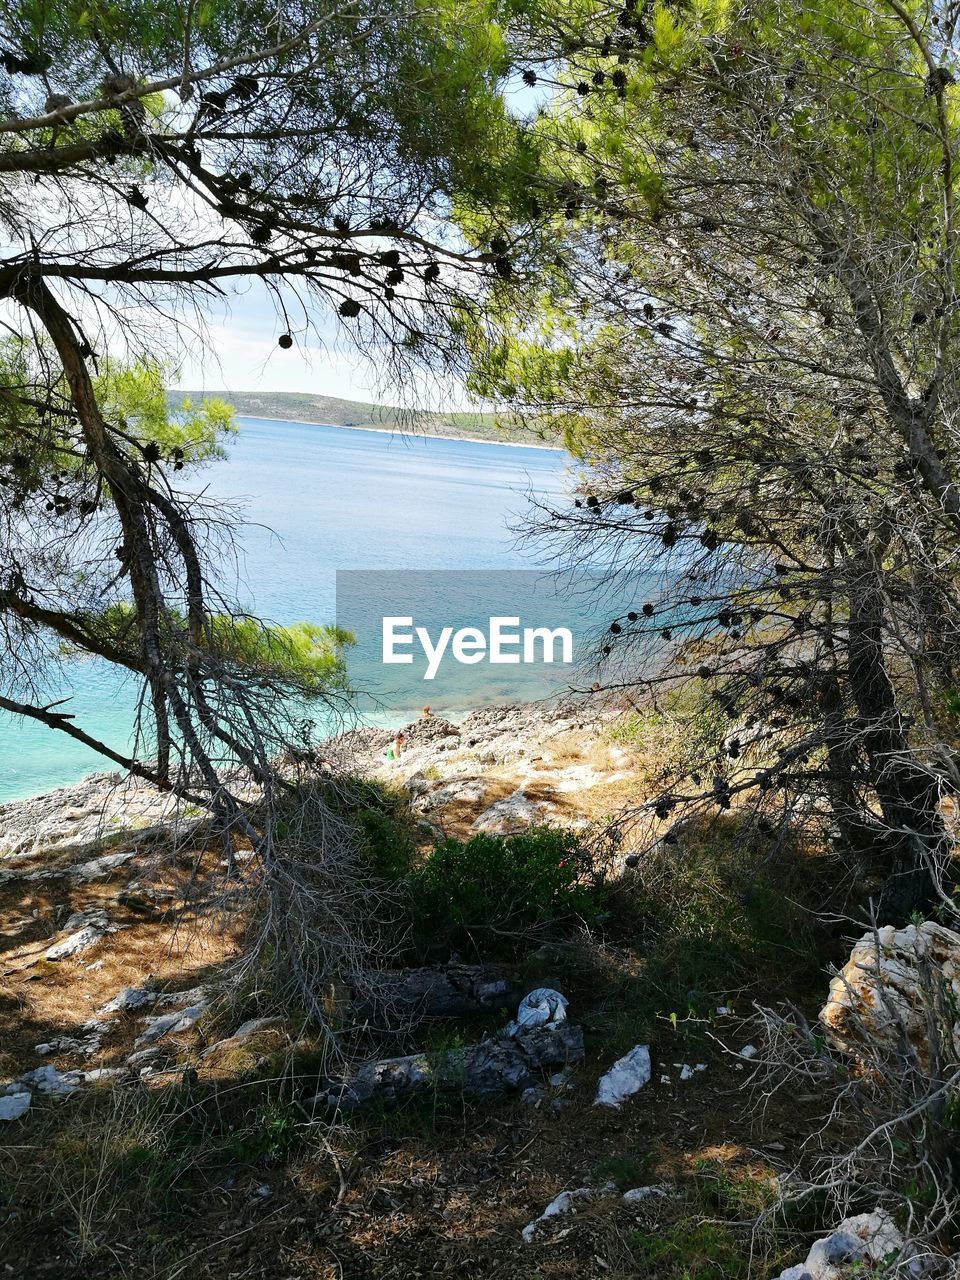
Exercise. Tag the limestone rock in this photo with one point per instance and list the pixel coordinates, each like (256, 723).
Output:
(242, 1034)
(83, 929)
(637, 1195)
(99, 868)
(47, 1079)
(85, 1045)
(866, 1241)
(14, 1105)
(99, 809)
(467, 791)
(128, 998)
(514, 813)
(565, 1202)
(881, 995)
(170, 1024)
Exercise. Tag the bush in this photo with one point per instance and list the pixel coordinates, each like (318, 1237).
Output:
(490, 896)
(691, 1250)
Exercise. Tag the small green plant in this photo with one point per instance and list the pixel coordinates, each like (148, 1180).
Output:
(490, 895)
(720, 1190)
(272, 1133)
(628, 1169)
(691, 1250)
(387, 837)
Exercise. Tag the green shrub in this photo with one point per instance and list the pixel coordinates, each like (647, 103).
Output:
(691, 1250)
(387, 836)
(490, 895)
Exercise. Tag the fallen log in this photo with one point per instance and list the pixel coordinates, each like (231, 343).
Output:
(501, 1064)
(406, 995)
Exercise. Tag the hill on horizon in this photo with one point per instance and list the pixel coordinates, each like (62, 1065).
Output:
(305, 406)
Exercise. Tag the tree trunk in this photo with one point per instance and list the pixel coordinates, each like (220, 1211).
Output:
(408, 995)
(906, 792)
(499, 1065)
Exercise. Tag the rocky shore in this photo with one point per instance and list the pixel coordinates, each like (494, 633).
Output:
(527, 761)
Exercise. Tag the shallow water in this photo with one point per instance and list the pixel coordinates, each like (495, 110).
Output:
(318, 499)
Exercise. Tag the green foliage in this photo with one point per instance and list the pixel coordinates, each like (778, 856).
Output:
(305, 656)
(733, 1194)
(384, 822)
(685, 728)
(270, 1133)
(134, 398)
(40, 458)
(709, 916)
(490, 895)
(691, 1250)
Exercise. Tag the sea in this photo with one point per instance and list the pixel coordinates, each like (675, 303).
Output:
(314, 500)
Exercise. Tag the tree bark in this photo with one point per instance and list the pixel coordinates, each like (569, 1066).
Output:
(495, 1066)
(906, 792)
(410, 994)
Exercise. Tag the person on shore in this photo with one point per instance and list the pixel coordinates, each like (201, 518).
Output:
(426, 713)
(396, 746)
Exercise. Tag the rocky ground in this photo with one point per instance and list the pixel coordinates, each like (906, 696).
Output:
(151, 1128)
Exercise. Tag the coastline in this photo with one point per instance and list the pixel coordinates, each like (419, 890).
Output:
(396, 431)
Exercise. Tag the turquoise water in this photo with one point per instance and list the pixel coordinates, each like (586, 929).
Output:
(316, 499)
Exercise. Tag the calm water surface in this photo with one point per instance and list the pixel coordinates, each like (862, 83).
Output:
(318, 499)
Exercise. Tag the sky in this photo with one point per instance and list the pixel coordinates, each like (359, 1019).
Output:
(239, 349)
(240, 353)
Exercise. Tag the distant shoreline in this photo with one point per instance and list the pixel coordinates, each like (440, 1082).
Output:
(398, 431)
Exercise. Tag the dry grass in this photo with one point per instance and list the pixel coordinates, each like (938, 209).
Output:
(225, 1176)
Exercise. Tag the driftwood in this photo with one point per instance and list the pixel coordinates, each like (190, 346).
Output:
(498, 1065)
(411, 994)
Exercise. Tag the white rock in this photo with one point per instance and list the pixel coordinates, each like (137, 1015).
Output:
(577, 777)
(626, 1077)
(687, 1072)
(47, 1079)
(471, 791)
(79, 819)
(868, 1238)
(128, 998)
(170, 1024)
(242, 1034)
(142, 1056)
(565, 1202)
(101, 1073)
(14, 1105)
(749, 1051)
(877, 997)
(97, 868)
(87, 1045)
(417, 783)
(638, 1194)
(179, 999)
(83, 930)
(515, 812)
